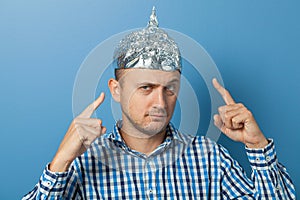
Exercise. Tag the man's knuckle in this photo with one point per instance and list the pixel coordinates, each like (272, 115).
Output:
(249, 113)
(227, 115)
(234, 120)
(240, 104)
(220, 109)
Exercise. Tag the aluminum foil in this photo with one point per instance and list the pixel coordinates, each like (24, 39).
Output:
(148, 48)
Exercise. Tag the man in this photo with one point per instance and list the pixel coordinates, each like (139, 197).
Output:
(146, 156)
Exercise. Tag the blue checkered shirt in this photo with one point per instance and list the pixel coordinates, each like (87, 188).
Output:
(182, 167)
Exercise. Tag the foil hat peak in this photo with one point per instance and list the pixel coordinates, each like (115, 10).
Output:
(148, 48)
(153, 19)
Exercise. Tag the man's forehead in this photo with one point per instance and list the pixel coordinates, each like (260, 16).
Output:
(150, 75)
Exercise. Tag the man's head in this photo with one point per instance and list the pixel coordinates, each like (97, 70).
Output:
(147, 79)
(147, 98)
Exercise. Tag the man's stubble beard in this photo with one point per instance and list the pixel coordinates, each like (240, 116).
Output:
(149, 129)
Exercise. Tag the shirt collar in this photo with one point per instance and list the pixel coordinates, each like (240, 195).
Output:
(172, 135)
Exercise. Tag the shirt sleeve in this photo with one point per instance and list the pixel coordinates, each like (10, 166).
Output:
(52, 185)
(269, 179)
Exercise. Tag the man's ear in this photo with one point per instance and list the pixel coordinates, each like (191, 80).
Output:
(114, 88)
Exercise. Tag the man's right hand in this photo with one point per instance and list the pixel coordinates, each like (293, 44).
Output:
(80, 135)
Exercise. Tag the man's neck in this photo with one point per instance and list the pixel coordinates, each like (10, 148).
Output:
(143, 145)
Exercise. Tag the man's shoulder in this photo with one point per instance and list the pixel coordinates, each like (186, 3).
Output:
(197, 139)
(200, 143)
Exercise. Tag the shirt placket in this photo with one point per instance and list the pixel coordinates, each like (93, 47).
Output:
(150, 179)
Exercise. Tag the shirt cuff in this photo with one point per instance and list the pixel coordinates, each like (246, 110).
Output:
(263, 158)
(53, 181)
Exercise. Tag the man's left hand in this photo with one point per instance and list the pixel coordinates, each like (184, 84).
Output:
(237, 122)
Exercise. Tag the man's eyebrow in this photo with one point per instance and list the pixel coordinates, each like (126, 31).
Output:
(147, 83)
(174, 80)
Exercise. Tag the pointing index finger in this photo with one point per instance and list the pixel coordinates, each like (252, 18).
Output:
(87, 113)
(224, 93)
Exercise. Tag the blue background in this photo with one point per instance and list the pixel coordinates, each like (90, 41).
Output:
(255, 45)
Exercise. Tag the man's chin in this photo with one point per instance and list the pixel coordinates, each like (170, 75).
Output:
(155, 127)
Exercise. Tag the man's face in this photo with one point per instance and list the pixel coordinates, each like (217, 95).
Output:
(147, 99)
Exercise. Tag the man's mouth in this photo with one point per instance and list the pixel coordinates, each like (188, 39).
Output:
(157, 117)
(157, 114)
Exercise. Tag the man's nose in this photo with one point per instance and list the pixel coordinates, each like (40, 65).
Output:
(160, 98)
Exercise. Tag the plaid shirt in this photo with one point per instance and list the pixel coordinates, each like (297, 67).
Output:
(182, 167)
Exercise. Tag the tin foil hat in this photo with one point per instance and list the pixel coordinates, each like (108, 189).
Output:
(148, 48)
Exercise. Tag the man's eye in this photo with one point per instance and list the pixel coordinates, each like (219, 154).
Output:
(145, 87)
(170, 90)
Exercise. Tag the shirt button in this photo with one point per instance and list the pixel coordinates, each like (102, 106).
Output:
(48, 183)
(268, 158)
(257, 159)
(58, 184)
(278, 188)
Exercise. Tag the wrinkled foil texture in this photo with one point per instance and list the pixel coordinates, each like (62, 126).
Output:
(148, 48)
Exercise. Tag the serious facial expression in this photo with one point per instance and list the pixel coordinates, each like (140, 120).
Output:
(148, 99)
